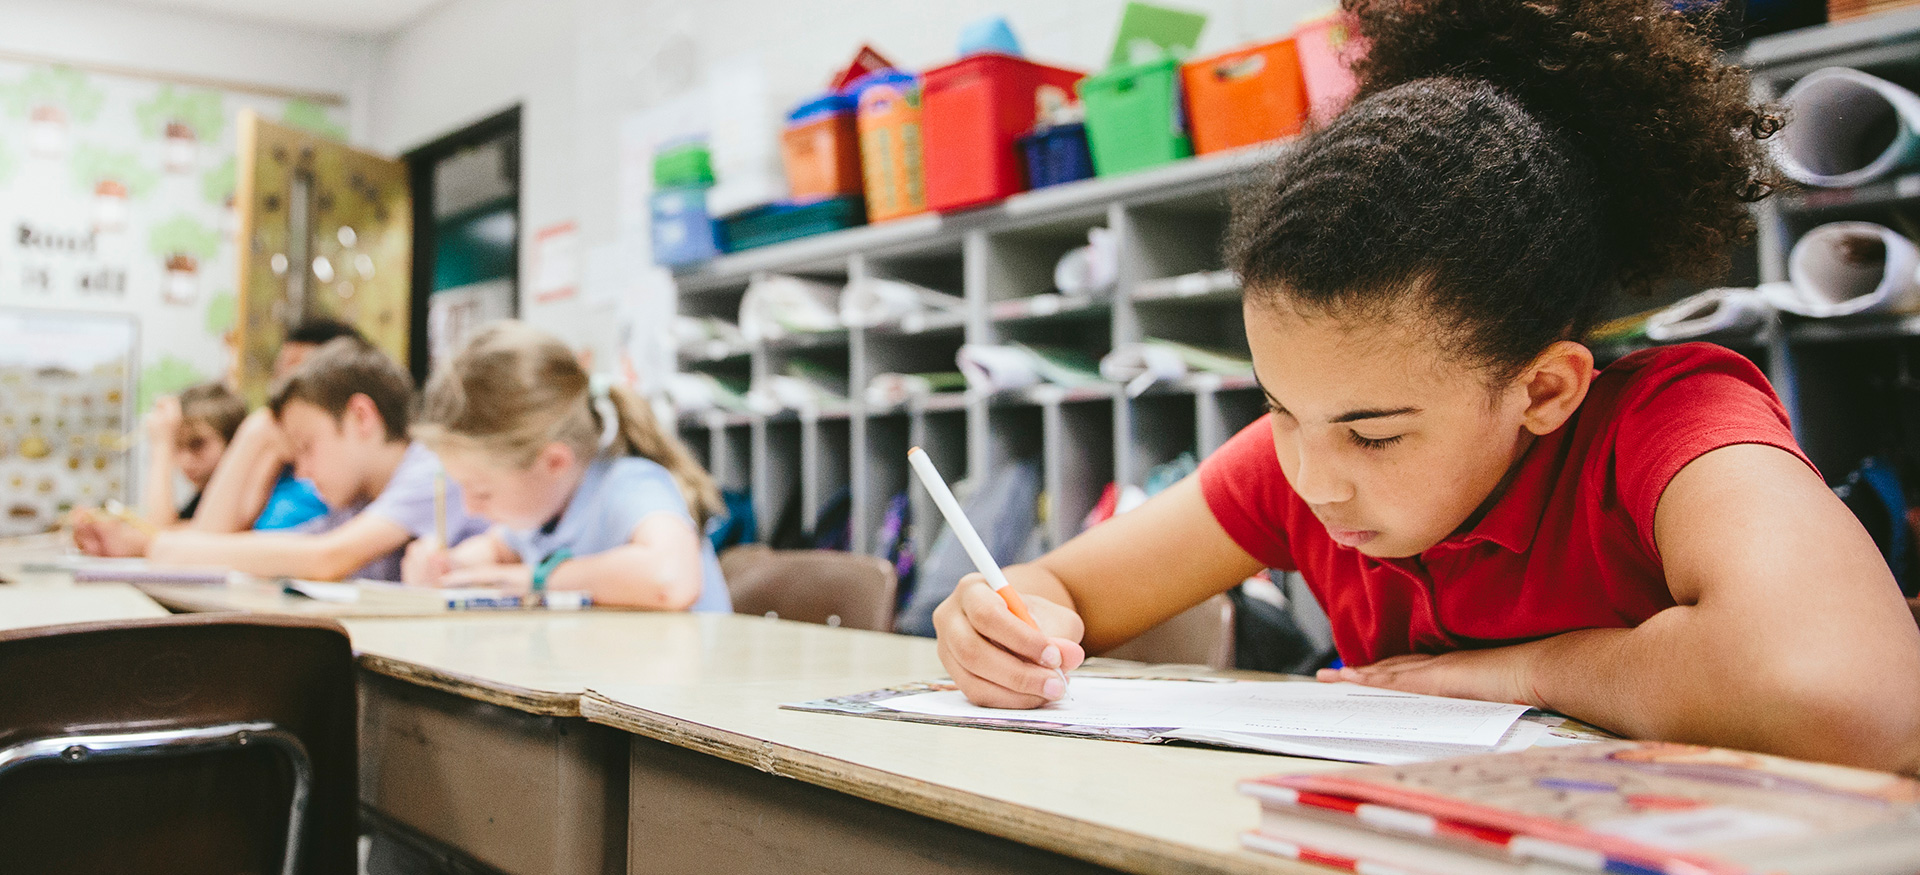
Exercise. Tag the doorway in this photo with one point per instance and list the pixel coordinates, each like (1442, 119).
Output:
(466, 208)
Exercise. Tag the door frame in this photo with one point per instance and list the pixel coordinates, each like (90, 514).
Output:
(421, 162)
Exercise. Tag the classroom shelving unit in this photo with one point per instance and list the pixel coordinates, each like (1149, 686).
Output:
(1841, 380)
(1168, 222)
(1844, 381)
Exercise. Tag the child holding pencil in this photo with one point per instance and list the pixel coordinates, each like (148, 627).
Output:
(588, 492)
(1481, 513)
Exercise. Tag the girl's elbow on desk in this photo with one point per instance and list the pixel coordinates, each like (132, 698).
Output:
(1827, 710)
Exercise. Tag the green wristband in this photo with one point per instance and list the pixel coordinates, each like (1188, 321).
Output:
(545, 569)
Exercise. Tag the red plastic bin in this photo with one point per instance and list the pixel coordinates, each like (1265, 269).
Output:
(1328, 46)
(972, 112)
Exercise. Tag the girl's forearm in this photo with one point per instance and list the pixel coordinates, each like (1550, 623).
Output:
(1034, 578)
(156, 494)
(244, 478)
(1677, 678)
(636, 575)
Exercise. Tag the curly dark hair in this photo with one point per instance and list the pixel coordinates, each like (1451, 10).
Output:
(1509, 164)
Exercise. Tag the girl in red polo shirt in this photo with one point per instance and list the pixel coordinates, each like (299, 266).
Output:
(1480, 512)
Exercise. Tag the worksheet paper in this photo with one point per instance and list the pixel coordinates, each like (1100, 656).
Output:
(1313, 710)
(1524, 733)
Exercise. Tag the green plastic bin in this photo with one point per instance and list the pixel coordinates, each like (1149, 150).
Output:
(1135, 119)
(687, 165)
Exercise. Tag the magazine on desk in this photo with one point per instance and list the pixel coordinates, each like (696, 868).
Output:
(1327, 721)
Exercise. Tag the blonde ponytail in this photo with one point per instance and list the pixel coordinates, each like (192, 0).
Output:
(514, 389)
(642, 435)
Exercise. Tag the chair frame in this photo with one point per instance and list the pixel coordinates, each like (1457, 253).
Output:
(78, 748)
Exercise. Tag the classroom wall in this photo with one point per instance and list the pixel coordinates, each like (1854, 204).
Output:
(193, 45)
(119, 77)
(580, 67)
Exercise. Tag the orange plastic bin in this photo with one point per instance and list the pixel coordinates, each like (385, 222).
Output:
(890, 146)
(821, 149)
(972, 112)
(1245, 96)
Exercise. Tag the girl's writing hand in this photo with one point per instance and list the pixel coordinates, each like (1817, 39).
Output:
(1499, 674)
(999, 661)
(100, 534)
(425, 562)
(513, 579)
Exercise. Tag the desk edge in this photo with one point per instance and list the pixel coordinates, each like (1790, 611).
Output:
(1092, 842)
(544, 704)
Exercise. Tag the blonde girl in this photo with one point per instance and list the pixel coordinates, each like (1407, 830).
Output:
(586, 491)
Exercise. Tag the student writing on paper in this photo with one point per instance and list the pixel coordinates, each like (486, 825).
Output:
(345, 414)
(588, 491)
(1481, 513)
(254, 486)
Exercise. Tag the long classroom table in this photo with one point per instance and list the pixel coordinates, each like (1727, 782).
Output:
(720, 779)
(472, 737)
(598, 742)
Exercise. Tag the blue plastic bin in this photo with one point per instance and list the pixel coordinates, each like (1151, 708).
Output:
(683, 233)
(1056, 155)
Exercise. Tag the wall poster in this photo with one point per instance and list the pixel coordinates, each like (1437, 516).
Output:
(116, 196)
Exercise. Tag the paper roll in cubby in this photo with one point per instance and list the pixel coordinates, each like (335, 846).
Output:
(1714, 311)
(1847, 128)
(1846, 268)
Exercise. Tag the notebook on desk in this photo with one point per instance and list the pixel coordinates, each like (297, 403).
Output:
(139, 571)
(451, 598)
(1329, 721)
(1639, 808)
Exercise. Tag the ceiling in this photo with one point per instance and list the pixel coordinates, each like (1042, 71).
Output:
(364, 17)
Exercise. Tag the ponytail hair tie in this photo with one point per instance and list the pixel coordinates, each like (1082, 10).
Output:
(600, 397)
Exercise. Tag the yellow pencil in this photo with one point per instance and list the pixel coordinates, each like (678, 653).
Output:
(121, 512)
(440, 508)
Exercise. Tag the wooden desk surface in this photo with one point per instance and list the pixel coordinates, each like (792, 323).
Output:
(266, 597)
(543, 662)
(19, 552)
(1136, 807)
(23, 605)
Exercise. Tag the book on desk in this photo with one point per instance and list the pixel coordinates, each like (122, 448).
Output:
(1637, 808)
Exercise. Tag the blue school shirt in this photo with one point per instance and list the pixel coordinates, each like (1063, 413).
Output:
(613, 497)
(292, 502)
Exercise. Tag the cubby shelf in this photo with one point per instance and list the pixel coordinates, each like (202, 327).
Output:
(1000, 259)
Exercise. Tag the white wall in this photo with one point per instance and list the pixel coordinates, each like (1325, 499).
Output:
(579, 67)
(160, 41)
(469, 59)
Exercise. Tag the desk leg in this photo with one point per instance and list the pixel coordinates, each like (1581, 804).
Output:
(518, 792)
(695, 813)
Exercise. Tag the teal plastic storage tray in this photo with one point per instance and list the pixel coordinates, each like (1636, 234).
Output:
(776, 223)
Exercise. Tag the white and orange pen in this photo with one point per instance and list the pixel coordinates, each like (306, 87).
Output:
(970, 539)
